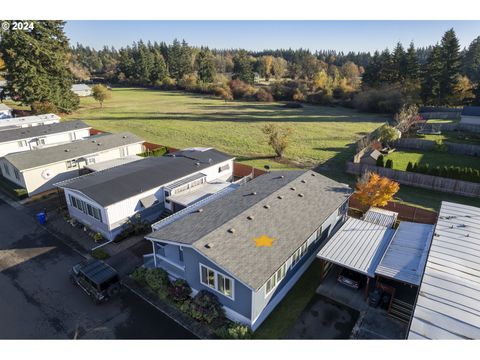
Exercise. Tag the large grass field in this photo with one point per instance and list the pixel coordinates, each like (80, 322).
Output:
(181, 120)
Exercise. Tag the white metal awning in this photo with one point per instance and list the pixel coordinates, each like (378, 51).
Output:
(198, 193)
(357, 245)
(448, 304)
(406, 255)
(381, 217)
(148, 201)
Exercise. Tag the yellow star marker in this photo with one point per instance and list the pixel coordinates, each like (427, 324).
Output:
(264, 240)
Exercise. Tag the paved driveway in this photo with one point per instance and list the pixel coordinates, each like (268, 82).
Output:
(37, 300)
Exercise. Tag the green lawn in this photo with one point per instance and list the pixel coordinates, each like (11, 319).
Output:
(443, 121)
(181, 120)
(433, 158)
(288, 311)
(455, 137)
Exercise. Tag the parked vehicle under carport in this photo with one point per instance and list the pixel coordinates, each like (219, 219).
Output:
(98, 279)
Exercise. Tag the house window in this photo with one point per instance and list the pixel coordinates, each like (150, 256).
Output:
(22, 143)
(41, 141)
(71, 164)
(223, 168)
(124, 151)
(297, 255)
(180, 253)
(91, 160)
(160, 249)
(275, 279)
(216, 281)
(167, 194)
(17, 174)
(73, 136)
(7, 169)
(86, 208)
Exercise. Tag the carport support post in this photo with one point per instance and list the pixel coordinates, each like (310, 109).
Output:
(367, 287)
(322, 269)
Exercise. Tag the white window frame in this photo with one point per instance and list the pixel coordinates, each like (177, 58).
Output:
(299, 253)
(71, 164)
(17, 174)
(7, 169)
(276, 278)
(86, 208)
(215, 281)
(22, 143)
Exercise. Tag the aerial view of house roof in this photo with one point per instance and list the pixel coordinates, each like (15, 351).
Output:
(28, 120)
(80, 87)
(31, 159)
(36, 131)
(121, 182)
(286, 206)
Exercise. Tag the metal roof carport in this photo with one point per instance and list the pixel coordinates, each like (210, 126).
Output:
(448, 303)
(406, 255)
(358, 245)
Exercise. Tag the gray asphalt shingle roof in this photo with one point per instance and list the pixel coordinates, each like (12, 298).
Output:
(268, 206)
(41, 130)
(35, 158)
(112, 185)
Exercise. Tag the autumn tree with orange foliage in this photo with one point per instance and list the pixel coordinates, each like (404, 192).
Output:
(375, 190)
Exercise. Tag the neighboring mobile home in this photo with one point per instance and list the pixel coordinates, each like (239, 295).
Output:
(82, 90)
(146, 188)
(250, 246)
(37, 137)
(26, 121)
(5, 111)
(38, 170)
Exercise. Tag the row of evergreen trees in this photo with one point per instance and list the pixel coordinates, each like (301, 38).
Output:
(447, 77)
(452, 172)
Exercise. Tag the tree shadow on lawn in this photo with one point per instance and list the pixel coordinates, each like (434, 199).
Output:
(244, 117)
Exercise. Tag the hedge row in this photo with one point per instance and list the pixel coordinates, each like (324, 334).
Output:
(451, 172)
(204, 306)
(382, 163)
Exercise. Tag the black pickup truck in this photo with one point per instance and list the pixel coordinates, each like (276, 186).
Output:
(98, 279)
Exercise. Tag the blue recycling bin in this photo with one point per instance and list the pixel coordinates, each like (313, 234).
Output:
(42, 218)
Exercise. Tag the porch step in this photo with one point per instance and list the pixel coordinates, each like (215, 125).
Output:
(164, 214)
(401, 310)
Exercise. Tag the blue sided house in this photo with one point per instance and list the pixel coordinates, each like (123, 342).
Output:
(250, 246)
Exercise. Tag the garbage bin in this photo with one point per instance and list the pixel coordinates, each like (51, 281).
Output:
(42, 218)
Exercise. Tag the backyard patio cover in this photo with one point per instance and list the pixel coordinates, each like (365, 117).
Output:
(407, 253)
(358, 245)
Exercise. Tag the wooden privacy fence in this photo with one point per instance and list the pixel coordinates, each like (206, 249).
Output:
(423, 181)
(454, 148)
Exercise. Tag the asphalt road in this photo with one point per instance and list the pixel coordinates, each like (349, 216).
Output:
(38, 301)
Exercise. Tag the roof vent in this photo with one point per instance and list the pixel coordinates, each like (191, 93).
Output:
(304, 181)
(99, 144)
(300, 195)
(200, 210)
(292, 188)
(313, 174)
(266, 206)
(209, 245)
(67, 150)
(94, 141)
(210, 161)
(282, 176)
(250, 217)
(231, 230)
(197, 163)
(280, 197)
(124, 136)
(253, 193)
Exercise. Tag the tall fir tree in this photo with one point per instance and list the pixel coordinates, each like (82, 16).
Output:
(471, 61)
(159, 70)
(412, 67)
(450, 54)
(179, 59)
(242, 67)
(431, 78)
(370, 77)
(399, 63)
(205, 62)
(387, 73)
(37, 65)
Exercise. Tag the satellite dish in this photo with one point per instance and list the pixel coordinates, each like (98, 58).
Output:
(47, 174)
